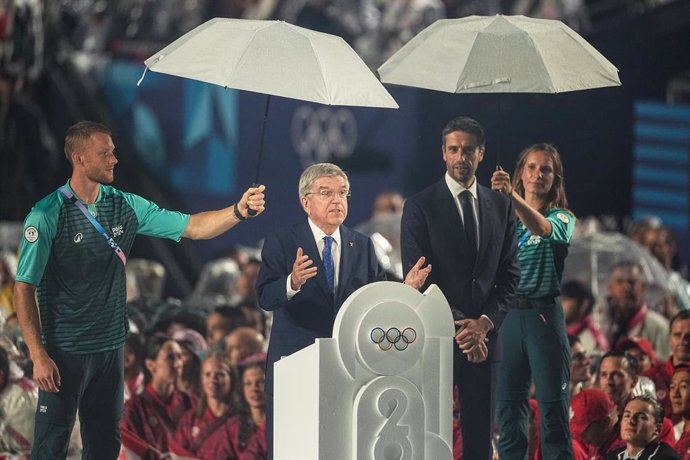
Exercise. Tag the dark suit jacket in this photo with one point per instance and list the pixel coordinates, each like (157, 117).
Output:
(431, 227)
(311, 312)
(654, 451)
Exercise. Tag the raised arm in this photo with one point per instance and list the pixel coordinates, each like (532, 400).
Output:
(535, 222)
(209, 224)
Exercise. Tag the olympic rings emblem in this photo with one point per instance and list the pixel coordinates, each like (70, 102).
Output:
(393, 337)
(323, 134)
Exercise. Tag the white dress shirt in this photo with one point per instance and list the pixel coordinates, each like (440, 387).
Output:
(456, 189)
(335, 252)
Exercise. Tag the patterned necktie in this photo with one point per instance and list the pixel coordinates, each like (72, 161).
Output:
(469, 224)
(328, 266)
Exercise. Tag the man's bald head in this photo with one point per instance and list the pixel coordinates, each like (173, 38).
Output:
(243, 342)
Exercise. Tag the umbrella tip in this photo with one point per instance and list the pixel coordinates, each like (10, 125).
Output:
(142, 76)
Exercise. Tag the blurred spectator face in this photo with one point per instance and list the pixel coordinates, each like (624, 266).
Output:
(216, 379)
(580, 364)
(255, 318)
(627, 290)
(217, 327)
(253, 387)
(638, 424)
(648, 238)
(388, 203)
(11, 322)
(643, 359)
(679, 341)
(241, 343)
(679, 393)
(615, 379)
(167, 365)
(573, 310)
(246, 281)
(664, 247)
(187, 359)
(131, 363)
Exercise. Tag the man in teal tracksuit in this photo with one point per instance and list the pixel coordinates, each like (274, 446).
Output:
(72, 258)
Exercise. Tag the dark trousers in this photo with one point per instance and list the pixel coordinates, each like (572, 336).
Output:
(92, 383)
(474, 382)
(535, 346)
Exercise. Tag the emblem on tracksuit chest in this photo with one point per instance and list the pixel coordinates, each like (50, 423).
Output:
(534, 239)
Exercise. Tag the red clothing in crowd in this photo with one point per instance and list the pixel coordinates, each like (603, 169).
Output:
(594, 336)
(153, 420)
(683, 445)
(661, 374)
(216, 444)
(667, 434)
(255, 448)
(457, 440)
(580, 450)
(134, 386)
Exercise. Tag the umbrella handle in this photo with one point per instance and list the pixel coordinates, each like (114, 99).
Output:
(250, 211)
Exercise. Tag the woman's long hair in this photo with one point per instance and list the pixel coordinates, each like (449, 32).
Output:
(556, 196)
(153, 347)
(244, 412)
(231, 398)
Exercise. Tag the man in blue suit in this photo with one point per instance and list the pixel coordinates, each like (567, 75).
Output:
(308, 270)
(467, 232)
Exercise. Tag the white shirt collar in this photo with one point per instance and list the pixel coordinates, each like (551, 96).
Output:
(319, 234)
(455, 188)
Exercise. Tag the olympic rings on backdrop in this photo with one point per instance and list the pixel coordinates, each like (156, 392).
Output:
(393, 337)
(323, 134)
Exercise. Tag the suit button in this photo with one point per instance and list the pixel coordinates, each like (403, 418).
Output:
(474, 280)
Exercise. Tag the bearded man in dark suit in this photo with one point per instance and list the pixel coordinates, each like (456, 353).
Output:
(467, 233)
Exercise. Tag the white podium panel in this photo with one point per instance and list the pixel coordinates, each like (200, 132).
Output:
(380, 389)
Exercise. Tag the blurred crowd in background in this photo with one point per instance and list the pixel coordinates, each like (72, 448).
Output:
(46, 46)
(620, 292)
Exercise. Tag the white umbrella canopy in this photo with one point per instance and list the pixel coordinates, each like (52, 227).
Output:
(274, 58)
(499, 54)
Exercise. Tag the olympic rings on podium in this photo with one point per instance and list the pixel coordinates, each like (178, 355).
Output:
(393, 337)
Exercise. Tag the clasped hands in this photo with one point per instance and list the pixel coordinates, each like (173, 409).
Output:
(303, 268)
(471, 338)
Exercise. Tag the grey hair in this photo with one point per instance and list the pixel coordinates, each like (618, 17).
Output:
(313, 172)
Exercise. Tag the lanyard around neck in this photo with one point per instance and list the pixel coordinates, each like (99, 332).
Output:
(108, 239)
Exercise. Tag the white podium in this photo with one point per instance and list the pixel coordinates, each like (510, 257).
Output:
(380, 389)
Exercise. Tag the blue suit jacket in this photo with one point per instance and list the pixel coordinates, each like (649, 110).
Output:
(431, 227)
(311, 312)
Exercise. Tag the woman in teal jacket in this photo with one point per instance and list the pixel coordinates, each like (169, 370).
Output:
(535, 345)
